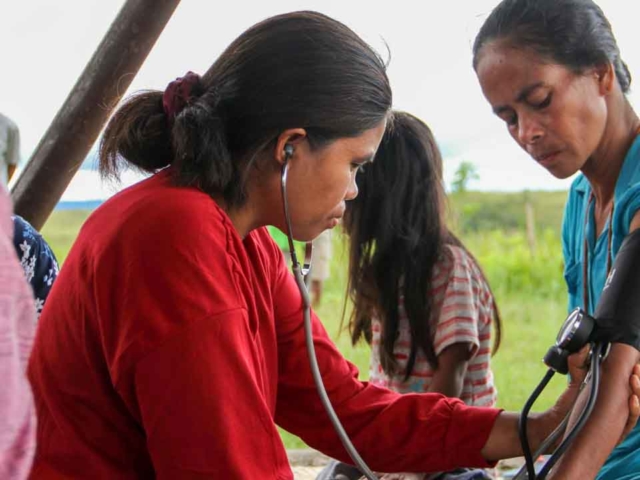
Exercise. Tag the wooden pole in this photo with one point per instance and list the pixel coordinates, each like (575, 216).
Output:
(81, 118)
(530, 222)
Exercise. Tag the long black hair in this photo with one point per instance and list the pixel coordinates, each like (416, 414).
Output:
(297, 70)
(573, 33)
(397, 230)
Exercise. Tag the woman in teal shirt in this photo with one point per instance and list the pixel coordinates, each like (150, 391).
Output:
(551, 69)
(579, 229)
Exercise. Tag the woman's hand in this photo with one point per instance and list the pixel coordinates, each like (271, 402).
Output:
(634, 402)
(579, 366)
(543, 424)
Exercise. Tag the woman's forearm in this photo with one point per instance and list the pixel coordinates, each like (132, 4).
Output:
(604, 427)
(504, 441)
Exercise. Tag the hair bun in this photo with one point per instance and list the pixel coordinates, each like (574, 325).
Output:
(180, 93)
(137, 134)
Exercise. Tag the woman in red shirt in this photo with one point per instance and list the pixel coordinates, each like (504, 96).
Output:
(172, 342)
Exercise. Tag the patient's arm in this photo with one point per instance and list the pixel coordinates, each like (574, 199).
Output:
(448, 378)
(618, 322)
(605, 426)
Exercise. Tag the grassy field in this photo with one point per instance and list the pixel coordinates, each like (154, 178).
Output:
(528, 289)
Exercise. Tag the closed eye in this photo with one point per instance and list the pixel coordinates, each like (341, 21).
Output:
(509, 117)
(357, 167)
(545, 103)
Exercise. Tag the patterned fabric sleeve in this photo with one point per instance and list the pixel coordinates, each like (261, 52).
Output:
(459, 315)
(37, 259)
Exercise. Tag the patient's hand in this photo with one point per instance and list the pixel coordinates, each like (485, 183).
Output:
(579, 365)
(634, 402)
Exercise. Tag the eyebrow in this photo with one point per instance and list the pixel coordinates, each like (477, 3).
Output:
(522, 96)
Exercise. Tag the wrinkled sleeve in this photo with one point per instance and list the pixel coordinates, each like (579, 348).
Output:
(624, 211)
(201, 404)
(459, 315)
(17, 327)
(413, 432)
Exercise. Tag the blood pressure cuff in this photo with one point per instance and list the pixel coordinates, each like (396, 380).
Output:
(617, 314)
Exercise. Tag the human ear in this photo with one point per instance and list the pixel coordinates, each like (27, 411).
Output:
(287, 142)
(606, 77)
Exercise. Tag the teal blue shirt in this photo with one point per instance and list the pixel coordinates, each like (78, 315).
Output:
(624, 462)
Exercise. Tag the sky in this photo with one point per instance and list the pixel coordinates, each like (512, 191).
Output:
(430, 68)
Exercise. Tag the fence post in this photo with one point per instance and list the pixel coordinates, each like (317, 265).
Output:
(530, 223)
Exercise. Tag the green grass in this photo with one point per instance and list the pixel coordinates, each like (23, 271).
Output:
(477, 211)
(61, 230)
(528, 289)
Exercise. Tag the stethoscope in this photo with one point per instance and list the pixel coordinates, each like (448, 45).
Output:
(300, 272)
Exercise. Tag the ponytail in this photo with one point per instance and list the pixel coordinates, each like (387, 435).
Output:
(202, 157)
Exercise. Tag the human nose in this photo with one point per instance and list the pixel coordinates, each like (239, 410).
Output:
(529, 130)
(352, 191)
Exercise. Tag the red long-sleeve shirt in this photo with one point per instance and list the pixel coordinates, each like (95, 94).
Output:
(171, 347)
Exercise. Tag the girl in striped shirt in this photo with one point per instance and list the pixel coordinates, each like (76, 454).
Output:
(420, 298)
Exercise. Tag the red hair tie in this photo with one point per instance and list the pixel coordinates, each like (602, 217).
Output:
(178, 94)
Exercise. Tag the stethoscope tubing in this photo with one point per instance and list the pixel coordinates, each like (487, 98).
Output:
(300, 273)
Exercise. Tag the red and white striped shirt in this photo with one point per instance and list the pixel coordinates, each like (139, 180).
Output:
(463, 313)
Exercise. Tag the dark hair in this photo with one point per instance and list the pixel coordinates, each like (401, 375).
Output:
(397, 232)
(573, 33)
(300, 69)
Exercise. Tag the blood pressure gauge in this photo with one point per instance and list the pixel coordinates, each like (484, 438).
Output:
(574, 334)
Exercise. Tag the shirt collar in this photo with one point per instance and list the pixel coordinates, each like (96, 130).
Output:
(629, 171)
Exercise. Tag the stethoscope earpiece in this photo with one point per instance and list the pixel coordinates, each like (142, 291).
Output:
(288, 151)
